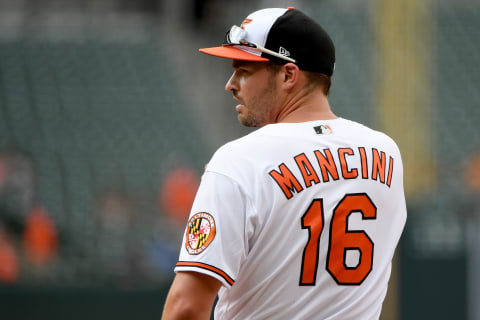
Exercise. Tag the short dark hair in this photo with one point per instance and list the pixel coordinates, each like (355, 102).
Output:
(315, 79)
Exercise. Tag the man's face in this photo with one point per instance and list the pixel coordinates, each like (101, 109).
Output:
(254, 86)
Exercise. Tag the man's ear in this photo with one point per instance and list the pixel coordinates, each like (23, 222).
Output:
(291, 74)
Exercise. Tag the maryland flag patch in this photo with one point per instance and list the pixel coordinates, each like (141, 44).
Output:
(200, 232)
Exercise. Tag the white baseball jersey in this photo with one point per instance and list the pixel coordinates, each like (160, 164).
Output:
(299, 221)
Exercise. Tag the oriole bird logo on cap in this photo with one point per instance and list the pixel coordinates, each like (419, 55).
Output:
(246, 21)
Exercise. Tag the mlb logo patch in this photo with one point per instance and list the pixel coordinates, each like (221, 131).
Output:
(323, 129)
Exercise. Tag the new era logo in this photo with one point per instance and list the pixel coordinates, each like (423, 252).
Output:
(284, 52)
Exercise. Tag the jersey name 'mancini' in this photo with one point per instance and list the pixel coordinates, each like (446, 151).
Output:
(334, 168)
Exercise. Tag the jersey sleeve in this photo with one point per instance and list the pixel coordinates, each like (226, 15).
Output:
(214, 241)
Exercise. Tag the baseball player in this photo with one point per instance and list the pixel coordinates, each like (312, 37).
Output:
(299, 219)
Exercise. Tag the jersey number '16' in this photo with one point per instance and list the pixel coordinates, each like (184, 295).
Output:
(341, 240)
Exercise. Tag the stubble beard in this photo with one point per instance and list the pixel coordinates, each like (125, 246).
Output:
(259, 110)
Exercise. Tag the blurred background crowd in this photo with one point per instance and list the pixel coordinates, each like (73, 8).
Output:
(108, 115)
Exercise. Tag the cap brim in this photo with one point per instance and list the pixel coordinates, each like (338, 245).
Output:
(230, 52)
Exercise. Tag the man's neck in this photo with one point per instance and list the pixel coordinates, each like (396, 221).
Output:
(306, 107)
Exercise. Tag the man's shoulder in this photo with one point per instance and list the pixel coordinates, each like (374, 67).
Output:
(236, 148)
(364, 132)
(244, 143)
(239, 153)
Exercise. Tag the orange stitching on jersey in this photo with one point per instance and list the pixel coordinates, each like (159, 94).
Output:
(207, 267)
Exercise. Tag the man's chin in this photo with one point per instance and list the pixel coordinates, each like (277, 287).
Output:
(246, 122)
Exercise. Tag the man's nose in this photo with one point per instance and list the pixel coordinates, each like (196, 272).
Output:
(231, 84)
